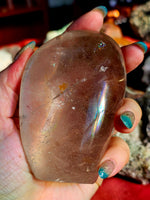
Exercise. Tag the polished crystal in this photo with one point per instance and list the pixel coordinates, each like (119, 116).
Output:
(70, 91)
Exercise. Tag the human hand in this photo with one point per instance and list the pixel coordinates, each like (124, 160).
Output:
(16, 179)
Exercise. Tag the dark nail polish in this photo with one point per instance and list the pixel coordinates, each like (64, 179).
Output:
(128, 119)
(31, 45)
(106, 168)
(103, 9)
(142, 45)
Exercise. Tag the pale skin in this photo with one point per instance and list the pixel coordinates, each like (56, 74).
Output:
(16, 179)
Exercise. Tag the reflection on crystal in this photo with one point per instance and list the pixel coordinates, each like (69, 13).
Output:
(101, 44)
(70, 91)
(98, 116)
(101, 109)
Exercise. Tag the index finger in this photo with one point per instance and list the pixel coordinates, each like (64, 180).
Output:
(92, 20)
(133, 55)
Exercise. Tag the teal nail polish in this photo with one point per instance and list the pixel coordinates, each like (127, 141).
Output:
(31, 45)
(102, 173)
(142, 45)
(128, 119)
(103, 9)
(106, 169)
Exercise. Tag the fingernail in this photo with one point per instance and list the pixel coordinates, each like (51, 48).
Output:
(106, 168)
(128, 119)
(103, 9)
(31, 45)
(142, 45)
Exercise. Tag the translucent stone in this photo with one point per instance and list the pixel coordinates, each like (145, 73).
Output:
(70, 91)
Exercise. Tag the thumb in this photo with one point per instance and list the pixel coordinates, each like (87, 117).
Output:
(10, 80)
(15, 70)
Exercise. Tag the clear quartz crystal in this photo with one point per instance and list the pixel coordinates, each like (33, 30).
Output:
(70, 91)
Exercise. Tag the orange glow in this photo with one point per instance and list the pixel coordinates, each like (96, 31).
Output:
(113, 13)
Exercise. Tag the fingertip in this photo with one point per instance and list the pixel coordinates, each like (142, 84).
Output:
(115, 158)
(128, 116)
(93, 20)
(133, 56)
(15, 70)
(30, 45)
(102, 9)
(142, 46)
(127, 119)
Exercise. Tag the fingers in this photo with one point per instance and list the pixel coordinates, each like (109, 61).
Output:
(92, 20)
(128, 116)
(133, 55)
(115, 158)
(14, 72)
(117, 153)
(10, 82)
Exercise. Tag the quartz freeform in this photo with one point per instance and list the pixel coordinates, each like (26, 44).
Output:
(70, 91)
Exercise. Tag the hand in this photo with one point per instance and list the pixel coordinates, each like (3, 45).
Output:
(16, 179)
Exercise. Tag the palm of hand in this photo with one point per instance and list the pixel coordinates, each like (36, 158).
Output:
(16, 180)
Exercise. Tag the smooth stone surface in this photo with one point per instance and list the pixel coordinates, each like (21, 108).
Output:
(70, 91)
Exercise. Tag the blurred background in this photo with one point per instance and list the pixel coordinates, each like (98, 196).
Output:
(127, 21)
(21, 21)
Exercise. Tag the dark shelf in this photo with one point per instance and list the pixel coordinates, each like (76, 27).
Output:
(5, 12)
(23, 20)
